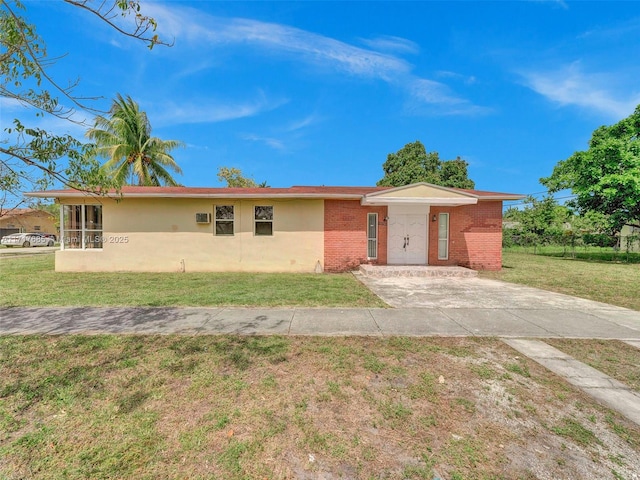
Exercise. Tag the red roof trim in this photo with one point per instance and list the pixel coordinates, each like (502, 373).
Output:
(16, 212)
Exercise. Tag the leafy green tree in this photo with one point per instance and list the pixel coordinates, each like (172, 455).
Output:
(454, 173)
(235, 178)
(133, 155)
(413, 164)
(545, 221)
(543, 217)
(606, 177)
(33, 158)
(589, 222)
(539, 222)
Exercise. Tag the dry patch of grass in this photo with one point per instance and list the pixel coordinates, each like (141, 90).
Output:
(271, 407)
(608, 282)
(613, 357)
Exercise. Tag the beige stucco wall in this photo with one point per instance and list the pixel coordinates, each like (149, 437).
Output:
(156, 235)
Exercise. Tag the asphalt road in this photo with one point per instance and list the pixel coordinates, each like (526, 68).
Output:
(21, 251)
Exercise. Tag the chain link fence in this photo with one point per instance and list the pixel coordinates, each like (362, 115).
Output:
(596, 245)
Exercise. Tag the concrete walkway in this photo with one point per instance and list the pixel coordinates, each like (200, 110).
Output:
(545, 322)
(603, 388)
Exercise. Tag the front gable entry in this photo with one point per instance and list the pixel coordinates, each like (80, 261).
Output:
(419, 224)
(419, 194)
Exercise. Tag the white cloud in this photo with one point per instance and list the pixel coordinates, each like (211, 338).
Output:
(441, 100)
(630, 28)
(300, 124)
(193, 146)
(209, 111)
(192, 69)
(434, 92)
(205, 31)
(466, 79)
(388, 43)
(269, 141)
(569, 85)
(11, 105)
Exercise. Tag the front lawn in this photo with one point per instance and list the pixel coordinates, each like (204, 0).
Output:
(32, 281)
(232, 407)
(590, 277)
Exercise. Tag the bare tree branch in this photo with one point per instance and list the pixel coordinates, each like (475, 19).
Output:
(142, 23)
(33, 156)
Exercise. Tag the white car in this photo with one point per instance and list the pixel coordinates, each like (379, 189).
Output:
(27, 240)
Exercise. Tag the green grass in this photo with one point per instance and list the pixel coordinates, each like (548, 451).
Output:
(519, 368)
(573, 429)
(589, 253)
(593, 278)
(32, 281)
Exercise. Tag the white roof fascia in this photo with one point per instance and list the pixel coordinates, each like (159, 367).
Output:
(454, 202)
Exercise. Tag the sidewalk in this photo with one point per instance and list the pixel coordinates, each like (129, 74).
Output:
(603, 388)
(602, 323)
(605, 323)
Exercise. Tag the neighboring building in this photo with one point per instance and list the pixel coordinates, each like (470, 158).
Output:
(297, 229)
(629, 239)
(27, 220)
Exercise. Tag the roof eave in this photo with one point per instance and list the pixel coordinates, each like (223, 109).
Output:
(196, 195)
(502, 197)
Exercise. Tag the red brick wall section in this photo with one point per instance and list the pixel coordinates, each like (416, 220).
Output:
(345, 235)
(475, 236)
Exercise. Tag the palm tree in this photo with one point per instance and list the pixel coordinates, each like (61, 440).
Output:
(124, 140)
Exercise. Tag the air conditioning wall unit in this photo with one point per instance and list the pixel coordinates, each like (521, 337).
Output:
(203, 218)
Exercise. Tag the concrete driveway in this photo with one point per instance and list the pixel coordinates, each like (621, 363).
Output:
(489, 306)
(433, 292)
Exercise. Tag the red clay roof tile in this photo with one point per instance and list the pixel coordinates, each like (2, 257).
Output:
(318, 191)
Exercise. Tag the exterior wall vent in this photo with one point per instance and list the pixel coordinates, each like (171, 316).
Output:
(203, 218)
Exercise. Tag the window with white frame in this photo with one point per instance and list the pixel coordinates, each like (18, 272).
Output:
(82, 227)
(372, 235)
(224, 220)
(263, 220)
(443, 236)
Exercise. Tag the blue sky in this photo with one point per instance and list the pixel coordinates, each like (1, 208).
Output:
(313, 93)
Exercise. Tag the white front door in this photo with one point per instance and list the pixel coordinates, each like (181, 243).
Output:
(407, 239)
